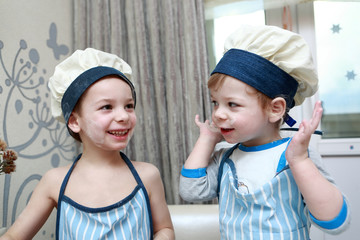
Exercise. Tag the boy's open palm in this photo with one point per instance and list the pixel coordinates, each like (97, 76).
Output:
(297, 149)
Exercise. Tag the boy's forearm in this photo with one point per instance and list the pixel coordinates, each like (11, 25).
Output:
(5, 237)
(165, 234)
(201, 153)
(8, 236)
(322, 198)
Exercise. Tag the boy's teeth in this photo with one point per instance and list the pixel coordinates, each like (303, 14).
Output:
(118, 133)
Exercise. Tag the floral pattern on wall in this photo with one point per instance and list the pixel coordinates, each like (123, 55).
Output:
(27, 124)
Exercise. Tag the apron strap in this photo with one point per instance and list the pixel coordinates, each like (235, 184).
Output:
(225, 156)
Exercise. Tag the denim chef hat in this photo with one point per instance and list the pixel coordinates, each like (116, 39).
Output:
(77, 72)
(274, 61)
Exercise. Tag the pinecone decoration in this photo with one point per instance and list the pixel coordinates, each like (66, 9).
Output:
(7, 159)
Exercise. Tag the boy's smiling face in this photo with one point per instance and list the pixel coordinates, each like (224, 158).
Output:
(237, 112)
(106, 115)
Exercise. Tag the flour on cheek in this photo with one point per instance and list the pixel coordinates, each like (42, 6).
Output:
(232, 121)
(94, 131)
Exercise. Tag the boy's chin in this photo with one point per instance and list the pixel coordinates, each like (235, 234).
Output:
(231, 141)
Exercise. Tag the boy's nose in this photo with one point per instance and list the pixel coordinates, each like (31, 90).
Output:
(220, 114)
(121, 116)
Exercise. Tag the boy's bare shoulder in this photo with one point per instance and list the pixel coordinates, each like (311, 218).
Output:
(56, 174)
(147, 171)
(152, 180)
(52, 180)
(145, 166)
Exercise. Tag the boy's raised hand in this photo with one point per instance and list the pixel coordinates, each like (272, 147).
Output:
(210, 135)
(297, 149)
(208, 130)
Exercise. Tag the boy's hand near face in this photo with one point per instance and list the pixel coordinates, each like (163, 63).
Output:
(208, 130)
(209, 136)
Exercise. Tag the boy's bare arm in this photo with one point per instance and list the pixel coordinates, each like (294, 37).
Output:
(322, 198)
(35, 213)
(163, 227)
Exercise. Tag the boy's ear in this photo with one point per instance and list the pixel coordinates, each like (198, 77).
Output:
(277, 109)
(73, 123)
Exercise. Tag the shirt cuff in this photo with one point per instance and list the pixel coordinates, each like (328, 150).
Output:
(334, 223)
(193, 173)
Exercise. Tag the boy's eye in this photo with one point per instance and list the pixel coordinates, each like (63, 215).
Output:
(106, 107)
(130, 106)
(215, 103)
(231, 104)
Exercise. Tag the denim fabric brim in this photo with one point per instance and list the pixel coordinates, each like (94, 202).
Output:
(83, 81)
(259, 73)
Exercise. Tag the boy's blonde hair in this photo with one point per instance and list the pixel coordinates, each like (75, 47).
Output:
(217, 80)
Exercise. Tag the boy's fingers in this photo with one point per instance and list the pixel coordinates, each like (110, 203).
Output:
(316, 116)
(197, 119)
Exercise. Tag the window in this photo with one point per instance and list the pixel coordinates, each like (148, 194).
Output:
(338, 51)
(224, 26)
(223, 18)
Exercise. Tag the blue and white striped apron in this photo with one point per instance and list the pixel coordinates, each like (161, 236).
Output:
(274, 211)
(127, 219)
